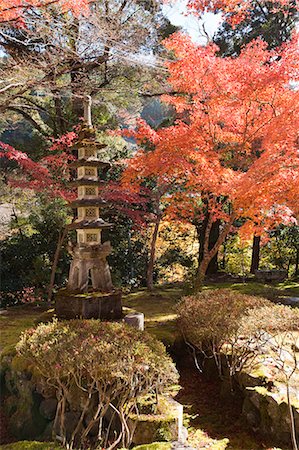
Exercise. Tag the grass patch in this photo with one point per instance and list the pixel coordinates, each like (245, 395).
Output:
(158, 306)
(17, 319)
(31, 445)
(154, 446)
(159, 309)
(271, 291)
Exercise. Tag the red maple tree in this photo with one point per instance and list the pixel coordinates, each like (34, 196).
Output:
(14, 10)
(233, 149)
(51, 175)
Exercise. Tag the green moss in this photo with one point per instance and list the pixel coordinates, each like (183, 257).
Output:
(18, 319)
(154, 446)
(264, 290)
(199, 439)
(159, 309)
(163, 412)
(31, 445)
(20, 364)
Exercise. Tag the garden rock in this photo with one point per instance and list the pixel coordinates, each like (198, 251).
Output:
(165, 425)
(48, 408)
(268, 415)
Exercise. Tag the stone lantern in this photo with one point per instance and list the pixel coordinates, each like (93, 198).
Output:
(90, 292)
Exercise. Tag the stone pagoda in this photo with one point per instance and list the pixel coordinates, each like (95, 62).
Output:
(90, 292)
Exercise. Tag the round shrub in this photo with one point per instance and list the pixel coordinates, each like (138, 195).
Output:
(98, 371)
(235, 329)
(272, 318)
(214, 315)
(210, 321)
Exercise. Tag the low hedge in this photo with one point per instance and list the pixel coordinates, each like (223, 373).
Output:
(97, 371)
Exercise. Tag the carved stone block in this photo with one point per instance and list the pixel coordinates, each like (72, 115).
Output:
(92, 305)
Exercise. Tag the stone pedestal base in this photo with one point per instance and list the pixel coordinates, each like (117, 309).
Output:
(166, 423)
(92, 305)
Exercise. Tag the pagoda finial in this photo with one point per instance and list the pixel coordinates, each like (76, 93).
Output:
(87, 110)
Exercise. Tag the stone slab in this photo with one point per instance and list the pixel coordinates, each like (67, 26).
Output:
(93, 305)
(164, 425)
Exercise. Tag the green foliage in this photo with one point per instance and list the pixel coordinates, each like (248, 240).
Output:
(236, 258)
(128, 261)
(282, 250)
(28, 253)
(21, 135)
(92, 366)
(265, 21)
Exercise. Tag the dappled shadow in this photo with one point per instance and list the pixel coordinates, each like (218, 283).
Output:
(216, 417)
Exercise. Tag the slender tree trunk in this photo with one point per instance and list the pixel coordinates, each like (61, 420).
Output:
(214, 235)
(14, 214)
(60, 241)
(77, 102)
(223, 262)
(59, 114)
(150, 267)
(209, 254)
(292, 419)
(255, 258)
(297, 263)
(201, 273)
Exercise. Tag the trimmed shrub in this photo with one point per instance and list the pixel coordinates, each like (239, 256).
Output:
(217, 324)
(233, 327)
(98, 371)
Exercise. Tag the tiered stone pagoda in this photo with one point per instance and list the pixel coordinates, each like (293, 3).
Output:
(90, 292)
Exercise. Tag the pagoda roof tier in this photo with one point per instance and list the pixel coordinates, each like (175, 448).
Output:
(86, 182)
(89, 162)
(87, 202)
(98, 223)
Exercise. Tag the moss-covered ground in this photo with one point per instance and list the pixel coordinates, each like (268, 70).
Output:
(214, 424)
(19, 318)
(272, 291)
(31, 445)
(159, 308)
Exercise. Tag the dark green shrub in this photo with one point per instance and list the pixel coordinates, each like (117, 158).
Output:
(27, 255)
(98, 371)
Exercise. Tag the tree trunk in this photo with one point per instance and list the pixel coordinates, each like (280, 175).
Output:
(59, 119)
(208, 255)
(255, 259)
(14, 214)
(150, 268)
(214, 235)
(223, 262)
(292, 419)
(297, 263)
(201, 273)
(77, 103)
(55, 262)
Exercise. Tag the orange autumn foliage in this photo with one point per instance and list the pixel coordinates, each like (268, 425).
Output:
(234, 146)
(14, 10)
